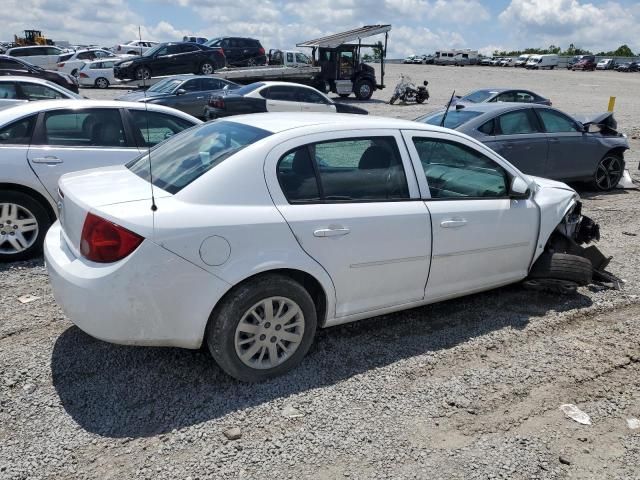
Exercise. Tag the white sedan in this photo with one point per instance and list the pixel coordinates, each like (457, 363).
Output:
(264, 227)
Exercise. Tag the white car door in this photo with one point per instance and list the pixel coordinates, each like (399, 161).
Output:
(281, 98)
(352, 202)
(312, 101)
(482, 238)
(70, 140)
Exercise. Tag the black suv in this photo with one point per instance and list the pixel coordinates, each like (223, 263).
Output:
(16, 66)
(171, 59)
(240, 52)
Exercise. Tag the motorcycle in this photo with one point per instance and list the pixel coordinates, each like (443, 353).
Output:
(406, 91)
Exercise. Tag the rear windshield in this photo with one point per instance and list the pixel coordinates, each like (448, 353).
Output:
(183, 158)
(454, 119)
(478, 96)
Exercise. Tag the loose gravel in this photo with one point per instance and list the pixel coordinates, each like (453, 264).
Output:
(465, 389)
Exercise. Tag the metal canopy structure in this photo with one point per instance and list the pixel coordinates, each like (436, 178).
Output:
(337, 39)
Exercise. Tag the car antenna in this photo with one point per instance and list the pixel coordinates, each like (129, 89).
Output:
(444, 117)
(154, 207)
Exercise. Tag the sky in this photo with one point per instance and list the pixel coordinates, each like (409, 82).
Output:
(418, 26)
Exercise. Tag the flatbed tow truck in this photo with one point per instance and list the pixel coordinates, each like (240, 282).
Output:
(337, 66)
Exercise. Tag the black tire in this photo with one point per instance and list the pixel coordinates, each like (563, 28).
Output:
(143, 73)
(251, 62)
(608, 172)
(393, 99)
(363, 89)
(38, 211)
(207, 68)
(101, 83)
(562, 266)
(420, 99)
(74, 72)
(221, 329)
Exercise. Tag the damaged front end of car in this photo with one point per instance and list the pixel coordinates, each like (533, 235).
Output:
(567, 257)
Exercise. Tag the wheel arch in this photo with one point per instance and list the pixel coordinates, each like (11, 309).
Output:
(46, 204)
(619, 151)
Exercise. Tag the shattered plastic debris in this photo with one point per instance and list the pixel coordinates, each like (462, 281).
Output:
(28, 298)
(575, 413)
(633, 423)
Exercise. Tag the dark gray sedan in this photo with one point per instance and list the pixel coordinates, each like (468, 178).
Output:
(490, 95)
(188, 93)
(543, 141)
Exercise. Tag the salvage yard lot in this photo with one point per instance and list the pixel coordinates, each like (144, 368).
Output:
(468, 388)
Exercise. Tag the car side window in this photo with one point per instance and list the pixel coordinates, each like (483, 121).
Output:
(85, 56)
(525, 97)
(162, 51)
(185, 48)
(488, 128)
(307, 95)
(515, 123)
(151, 128)
(555, 122)
(282, 93)
(101, 54)
(173, 49)
(18, 132)
(506, 97)
(211, 84)
(191, 85)
(290, 57)
(354, 169)
(455, 171)
(84, 128)
(107, 64)
(33, 91)
(8, 91)
(10, 64)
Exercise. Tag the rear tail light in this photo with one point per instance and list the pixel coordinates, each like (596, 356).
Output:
(119, 48)
(83, 75)
(216, 102)
(61, 64)
(261, 51)
(105, 242)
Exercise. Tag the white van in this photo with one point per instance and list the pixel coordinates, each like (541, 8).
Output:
(45, 56)
(537, 62)
(522, 60)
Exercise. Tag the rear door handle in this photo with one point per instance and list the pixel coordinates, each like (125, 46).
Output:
(49, 159)
(453, 223)
(331, 232)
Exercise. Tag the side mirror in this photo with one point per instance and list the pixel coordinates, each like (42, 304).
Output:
(593, 128)
(519, 188)
(181, 91)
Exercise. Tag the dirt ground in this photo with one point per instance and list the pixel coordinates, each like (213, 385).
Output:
(469, 388)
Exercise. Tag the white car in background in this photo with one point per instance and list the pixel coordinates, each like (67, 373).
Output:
(134, 47)
(45, 56)
(264, 227)
(15, 89)
(71, 63)
(40, 141)
(506, 62)
(98, 74)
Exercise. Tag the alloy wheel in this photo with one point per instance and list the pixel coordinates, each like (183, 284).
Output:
(206, 69)
(102, 83)
(143, 73)
(18, 228)
(365, 90)
(269, 333)
(608, 173)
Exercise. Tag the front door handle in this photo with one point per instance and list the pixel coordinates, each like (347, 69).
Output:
(331, 232)
(453, 223)
(49, 159)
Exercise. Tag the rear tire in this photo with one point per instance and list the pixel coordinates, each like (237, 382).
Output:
(562, 266)
(206, 68)
(101, 83)
(240, 325)
(32, 222)
(393, 99)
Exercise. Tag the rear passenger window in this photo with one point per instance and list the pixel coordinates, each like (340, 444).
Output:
(34, 91)
(88, 128)
(515, 123)
(8, 91)
(488, 128)
(455, 171)
(363, 169)
(18, 133)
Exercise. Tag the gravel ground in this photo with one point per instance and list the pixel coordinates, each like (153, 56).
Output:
(464, 389)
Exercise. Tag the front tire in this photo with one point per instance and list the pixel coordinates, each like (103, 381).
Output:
(207, 68)
(393, 99)
(101, 83)
(562, 267)
(363, 89)
(262, 329)
(23, 225)
(143, 73)
(608, 172)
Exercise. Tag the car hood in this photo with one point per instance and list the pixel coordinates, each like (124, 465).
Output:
(141, 96)
(604, 118)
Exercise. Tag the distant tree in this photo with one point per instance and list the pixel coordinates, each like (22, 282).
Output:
(378, 51)
(367, 58)
(623, 51)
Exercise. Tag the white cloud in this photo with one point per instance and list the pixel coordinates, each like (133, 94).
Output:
(561, 22)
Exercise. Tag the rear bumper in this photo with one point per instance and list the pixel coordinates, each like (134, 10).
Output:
(152, 297)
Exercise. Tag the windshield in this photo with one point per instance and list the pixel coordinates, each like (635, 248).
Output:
(152, 51)
(185, 157)
(454, 119)
(248, 88)
(478, 96)
(165, 86)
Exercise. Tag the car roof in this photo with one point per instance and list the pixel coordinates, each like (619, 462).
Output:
(24, 78)
(279, 122)
(275, 83)
(34, 46)
(29, 108)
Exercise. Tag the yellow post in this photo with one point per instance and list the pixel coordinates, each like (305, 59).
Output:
(612, 103)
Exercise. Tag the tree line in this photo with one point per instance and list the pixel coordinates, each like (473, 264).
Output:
(621, 51)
